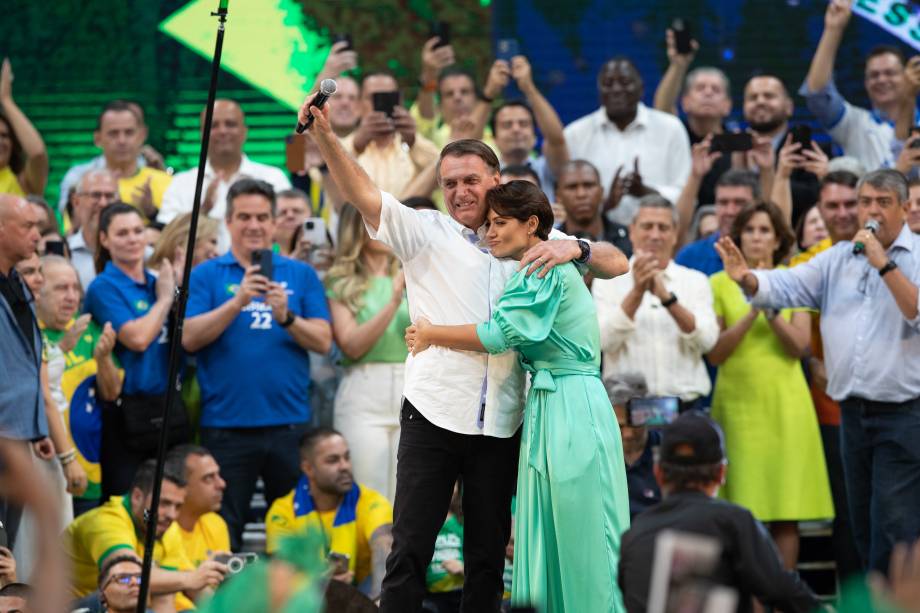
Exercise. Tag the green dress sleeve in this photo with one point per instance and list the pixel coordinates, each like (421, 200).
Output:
(525, 313)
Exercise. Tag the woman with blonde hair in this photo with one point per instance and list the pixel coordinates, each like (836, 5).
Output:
(369, 317)
(171, 244)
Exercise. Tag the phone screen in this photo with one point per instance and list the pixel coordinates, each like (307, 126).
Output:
(653, 410)
(802, 134)
(385, 102)
(681, 36)
(728, 143)
(441, 29)
(507, 48)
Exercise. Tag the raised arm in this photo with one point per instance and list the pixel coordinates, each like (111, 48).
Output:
(341, 59)
(701, 161)
(907, 107)
(34, 176)
(821, 70)
(669, 87)
(790, 158)
(434, 60)
(356, 187)
(554, 146)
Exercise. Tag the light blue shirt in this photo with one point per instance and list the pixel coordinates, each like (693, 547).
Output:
(870, 349)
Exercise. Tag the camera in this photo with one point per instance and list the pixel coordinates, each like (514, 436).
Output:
(236, 562)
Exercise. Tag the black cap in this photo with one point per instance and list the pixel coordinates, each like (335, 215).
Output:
(692, 439)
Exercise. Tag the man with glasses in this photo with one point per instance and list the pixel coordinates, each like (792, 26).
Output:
(96, 190)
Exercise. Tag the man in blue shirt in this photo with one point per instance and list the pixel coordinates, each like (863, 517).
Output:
(867, 292)
(735, 190)
(251, 334)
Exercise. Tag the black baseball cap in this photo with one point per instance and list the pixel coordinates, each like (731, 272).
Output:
(691, 439)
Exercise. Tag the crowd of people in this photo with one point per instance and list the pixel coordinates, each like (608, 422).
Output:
(362, 330)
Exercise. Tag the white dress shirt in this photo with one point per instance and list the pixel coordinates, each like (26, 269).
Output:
(652, 343)
(451, 280)
(82, 259)
(180, 194)
(658, 139)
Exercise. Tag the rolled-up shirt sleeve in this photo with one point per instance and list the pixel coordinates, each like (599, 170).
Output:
(401, 228)
(706, 329)
(801, 286)
(615, 326)
(826, 103)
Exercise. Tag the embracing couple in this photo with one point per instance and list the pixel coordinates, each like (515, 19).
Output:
(481, 320)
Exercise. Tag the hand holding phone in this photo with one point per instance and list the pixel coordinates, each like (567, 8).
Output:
(386, 102)
(682, 38)
(507, 48)
(441, 31)
(263, 259)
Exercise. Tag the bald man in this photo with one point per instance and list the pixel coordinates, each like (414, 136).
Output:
(22, 408)
(226, 164)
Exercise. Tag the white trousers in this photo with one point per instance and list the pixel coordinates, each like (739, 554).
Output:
(367, 407)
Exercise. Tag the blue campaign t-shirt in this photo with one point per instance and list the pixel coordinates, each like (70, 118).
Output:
(115, 297)
(254, 374)
(701, 255)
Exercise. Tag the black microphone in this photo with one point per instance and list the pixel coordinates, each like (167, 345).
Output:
(871, 226)
(326, 89)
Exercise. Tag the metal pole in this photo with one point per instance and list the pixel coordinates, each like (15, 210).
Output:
(178, 319)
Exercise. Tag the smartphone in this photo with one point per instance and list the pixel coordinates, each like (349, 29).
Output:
(314, 230)
(295, 148)
(652, 410)
(441, 29)
(801, 134)
(263, 259)
(338, 562)
(915, 131)
(507, 48)
(386, 102)
(682, 36)
(55, 248)
(731, 142)
(343, 36)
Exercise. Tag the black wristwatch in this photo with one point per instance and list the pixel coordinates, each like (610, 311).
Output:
(288, 320)
(585, 247)
(884, 270)
(670, 301)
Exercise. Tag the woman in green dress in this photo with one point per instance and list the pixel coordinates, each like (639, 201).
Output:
(572, 501)
(761, 398)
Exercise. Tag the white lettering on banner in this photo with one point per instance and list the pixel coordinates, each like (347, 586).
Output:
(894, 16)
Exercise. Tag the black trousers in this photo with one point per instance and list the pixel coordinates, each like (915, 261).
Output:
(117, 461)
(429, 461)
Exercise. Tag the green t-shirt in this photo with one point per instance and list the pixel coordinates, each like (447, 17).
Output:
(391, 346)
(83, 415)
(448, 546)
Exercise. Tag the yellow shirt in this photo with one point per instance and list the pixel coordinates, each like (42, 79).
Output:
(438, 132)
(159, 181)
(210, 534)
(393, 167)
(9, 184)
(801, 258)
(90, 538)
(347, 530)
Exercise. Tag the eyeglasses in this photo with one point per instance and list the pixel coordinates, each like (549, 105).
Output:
(100, 195)
(125, 579)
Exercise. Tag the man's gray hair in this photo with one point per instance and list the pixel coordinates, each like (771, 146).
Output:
(623, 387)
(694, 74)
(655, 201)
(95, 172)
(886, 179)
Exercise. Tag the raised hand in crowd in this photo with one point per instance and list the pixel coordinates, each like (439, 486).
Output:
(435, 59)
(33, 178)
(342, 58)
(153, 158)
(790, 157)
(702, 158)
(910, 154)
(72, 335)
(816, 161)
(142, 198)
(464, 127)
(106, 342)
(672, 81)
(404, 124)
(276, 297)
(373, 125)
(522, 74)
(498, 79)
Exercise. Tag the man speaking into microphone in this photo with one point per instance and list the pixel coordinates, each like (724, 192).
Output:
(866, 290)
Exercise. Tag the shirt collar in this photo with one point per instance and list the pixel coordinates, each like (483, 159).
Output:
(245, 168)
(114, 270)
(76, 241)
(904, 240)
(640, 120)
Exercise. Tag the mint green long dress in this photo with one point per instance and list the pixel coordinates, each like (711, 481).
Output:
(572, 501)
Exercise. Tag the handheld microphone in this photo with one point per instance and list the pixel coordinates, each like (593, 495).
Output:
(871, 226)
(326, 89)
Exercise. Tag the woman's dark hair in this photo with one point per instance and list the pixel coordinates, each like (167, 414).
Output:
(522, 200)
(17, 155)
(102, 255)
(784, 236)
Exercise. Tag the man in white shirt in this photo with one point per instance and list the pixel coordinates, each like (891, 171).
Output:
(96, 190)
(226, 164)
(658, 319)
(462, 411)
(624, 133)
